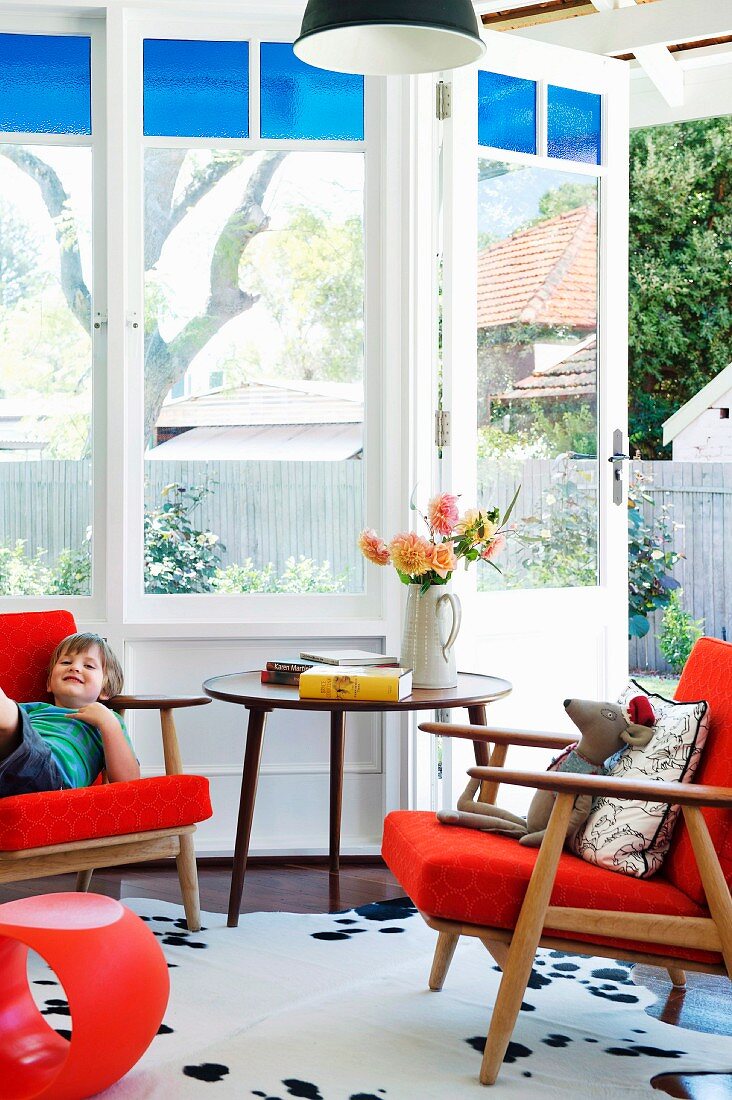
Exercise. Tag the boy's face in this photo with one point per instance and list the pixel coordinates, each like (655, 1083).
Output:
(75, 681)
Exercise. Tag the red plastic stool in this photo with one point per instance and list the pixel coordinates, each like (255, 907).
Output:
(115, 979)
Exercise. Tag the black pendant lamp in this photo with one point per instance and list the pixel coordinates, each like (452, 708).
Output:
(385, 37)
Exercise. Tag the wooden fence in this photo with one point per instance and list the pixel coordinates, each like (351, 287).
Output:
(698, 496)
(269, 511)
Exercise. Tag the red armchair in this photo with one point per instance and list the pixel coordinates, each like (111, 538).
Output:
(107, 824)
(515, 899)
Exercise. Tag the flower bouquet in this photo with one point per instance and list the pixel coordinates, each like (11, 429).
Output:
(452, 537)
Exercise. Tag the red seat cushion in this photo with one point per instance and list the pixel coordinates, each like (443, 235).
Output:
(481, 878)
(113, 809)
(27, 641)
(707, 675)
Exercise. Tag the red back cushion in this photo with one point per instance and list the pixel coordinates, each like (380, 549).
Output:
(707, 675)
(27, 641)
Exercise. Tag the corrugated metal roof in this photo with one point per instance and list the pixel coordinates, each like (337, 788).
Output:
(286, 443)
(268, 404)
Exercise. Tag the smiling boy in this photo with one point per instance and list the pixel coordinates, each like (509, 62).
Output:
(67, 743)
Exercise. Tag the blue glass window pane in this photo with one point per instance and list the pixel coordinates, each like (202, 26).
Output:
(46, 83)
(506, 112)
(300, 101)
(195, 89)
(574, 121)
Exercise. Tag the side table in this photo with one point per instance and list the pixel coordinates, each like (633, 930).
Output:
(247, 690)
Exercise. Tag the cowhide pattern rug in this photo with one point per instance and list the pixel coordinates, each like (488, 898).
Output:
(336, 1007)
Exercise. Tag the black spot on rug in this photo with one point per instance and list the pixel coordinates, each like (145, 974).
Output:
(207, 1071)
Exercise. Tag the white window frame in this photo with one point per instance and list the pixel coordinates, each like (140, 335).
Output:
(93, 606)
(252, 608)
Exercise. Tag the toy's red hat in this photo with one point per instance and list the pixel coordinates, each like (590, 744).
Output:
(640, 711)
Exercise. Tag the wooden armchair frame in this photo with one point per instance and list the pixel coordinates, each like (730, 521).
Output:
(514, 950)
(83, 856)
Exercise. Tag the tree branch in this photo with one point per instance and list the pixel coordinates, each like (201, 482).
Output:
(165, 363)
(162, 214)
(57, 203)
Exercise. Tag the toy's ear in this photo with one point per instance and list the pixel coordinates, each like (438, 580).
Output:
(641, 720)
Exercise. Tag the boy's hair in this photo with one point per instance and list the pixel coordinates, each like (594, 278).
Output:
(113, 681)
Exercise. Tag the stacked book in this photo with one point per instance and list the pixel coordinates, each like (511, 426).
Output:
(342, 674)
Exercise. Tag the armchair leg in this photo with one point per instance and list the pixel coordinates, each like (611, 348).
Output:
(498, 950)
(525, 940)
(677, 976)
(444, 951)
(188, 877)
(83, 879)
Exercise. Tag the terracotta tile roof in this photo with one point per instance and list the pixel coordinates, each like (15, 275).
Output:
(575, 376)
(546, 274)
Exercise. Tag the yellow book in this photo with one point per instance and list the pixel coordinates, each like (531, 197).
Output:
(364, 684)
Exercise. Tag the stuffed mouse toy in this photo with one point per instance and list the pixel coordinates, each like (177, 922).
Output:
(605, 729)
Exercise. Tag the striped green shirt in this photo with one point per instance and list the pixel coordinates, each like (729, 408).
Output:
(76, 747)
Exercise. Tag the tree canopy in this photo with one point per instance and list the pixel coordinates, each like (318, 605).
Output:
(680, 269)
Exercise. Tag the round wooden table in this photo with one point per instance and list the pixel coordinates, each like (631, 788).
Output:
(246, 689)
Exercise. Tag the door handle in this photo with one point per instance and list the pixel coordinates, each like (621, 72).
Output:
(618, 458)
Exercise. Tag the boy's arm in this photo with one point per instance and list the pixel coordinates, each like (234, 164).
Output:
(119, 759)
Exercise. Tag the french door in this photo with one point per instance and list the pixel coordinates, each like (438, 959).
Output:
(534, 374)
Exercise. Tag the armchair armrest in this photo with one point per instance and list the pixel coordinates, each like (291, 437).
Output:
(677, 794)
(156, 702)
(500, 735)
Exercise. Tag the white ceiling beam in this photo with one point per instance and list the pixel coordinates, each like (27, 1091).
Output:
(627, 30)
(664, 71)
(659, 65)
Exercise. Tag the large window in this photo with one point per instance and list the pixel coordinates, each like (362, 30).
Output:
(254, 333)
(45, 317)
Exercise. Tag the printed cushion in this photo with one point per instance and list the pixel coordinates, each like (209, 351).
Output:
(633, 837)
(113, 809)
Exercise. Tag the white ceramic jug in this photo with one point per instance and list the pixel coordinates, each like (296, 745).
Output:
(431, 626)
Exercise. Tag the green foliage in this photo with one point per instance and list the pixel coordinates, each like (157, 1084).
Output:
(179, 557)
(679, 630)
(303, 575)
(566, 197)
(23, 575)
(18, 256)
(680, 260)
(310, 277)
(71, 575)
(560, 545)
(651, 558)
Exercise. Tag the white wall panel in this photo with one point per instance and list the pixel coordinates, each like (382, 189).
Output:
(293, 797)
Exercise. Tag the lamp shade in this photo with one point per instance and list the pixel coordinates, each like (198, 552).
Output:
(385, 37)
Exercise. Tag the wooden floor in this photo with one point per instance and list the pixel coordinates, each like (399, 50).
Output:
(307, 887)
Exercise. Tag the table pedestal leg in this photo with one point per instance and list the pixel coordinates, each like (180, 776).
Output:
(496, 759)
(337, 751)
(252, 757)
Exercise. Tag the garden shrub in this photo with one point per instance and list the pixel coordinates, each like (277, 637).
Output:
(679, 630)
(179, 557)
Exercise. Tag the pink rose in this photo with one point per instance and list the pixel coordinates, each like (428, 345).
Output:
(443, 559)
(442, 513)
(373, 547)
(494, 547)
(411, 554)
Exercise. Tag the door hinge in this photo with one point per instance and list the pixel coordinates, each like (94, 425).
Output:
(443, 100)
(442, 429)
